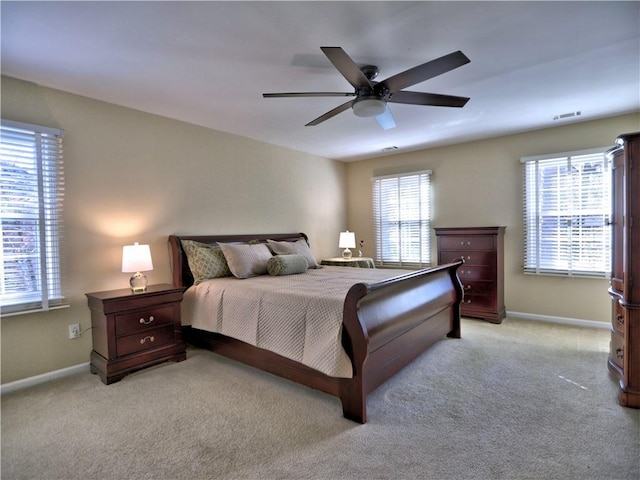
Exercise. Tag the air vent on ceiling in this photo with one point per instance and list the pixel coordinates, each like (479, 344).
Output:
(389, 149)
(562, 116)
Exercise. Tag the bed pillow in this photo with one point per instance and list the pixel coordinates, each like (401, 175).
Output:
(287, 265)
(246, 260)
(205, 261)
(298, 247)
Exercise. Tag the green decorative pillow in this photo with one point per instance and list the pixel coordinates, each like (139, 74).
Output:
(205, 261)
(287, 264)
(298, 247)
(246, 260)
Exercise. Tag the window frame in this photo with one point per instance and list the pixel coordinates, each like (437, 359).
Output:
(534, 264)
(384, 257)
(37, 150)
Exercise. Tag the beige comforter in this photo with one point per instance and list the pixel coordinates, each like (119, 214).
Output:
(296, 316)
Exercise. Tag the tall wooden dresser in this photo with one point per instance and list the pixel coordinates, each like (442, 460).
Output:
(624, 355)
(482, 274)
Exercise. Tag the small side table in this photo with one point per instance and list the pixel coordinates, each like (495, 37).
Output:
(358, 262)
(135, 330)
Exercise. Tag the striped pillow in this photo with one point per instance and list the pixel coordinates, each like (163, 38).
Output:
(287, 265)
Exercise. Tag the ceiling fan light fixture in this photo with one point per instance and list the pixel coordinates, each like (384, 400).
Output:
(369, 107)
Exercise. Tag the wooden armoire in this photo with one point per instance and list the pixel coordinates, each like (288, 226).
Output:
(624, 355)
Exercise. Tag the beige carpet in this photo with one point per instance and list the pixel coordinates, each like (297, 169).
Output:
(521, 400)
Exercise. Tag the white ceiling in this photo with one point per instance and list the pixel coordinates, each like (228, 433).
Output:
(208, 63)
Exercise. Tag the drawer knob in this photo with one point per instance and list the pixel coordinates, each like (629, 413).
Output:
(144, 340)
(620, 353)
(467, 301)
(467, 287)
(463, 243)
(468, 257)
(620, 319)
(147, 322)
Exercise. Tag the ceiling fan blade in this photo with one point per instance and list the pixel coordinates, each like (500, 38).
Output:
(386, 120)
(433, 99)
(424, 72)
(309, 94)
(347, 67)
(330, 113)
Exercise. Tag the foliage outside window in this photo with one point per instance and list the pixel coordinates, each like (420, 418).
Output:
(567, 207)
(31, 194)
(402, 219)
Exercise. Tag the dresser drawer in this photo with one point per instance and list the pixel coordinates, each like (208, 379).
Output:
(145, 340)
(471, 301)
(472, 272)
(476, 242)
(617, 349)
(143, 319)
(619, 317)
(470, 258)
(479, 288)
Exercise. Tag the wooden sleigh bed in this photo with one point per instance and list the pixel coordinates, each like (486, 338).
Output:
(385, 325)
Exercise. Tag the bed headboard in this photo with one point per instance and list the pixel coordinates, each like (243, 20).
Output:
(180, 271)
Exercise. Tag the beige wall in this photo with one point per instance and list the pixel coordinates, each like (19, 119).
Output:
(480, 184)
(132, 176)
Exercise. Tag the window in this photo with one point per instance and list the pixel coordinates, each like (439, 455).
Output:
(567, 207)
(402, 219)
(31, 193)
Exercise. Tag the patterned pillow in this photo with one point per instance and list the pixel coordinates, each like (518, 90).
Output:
(298, 247)
(205, 261)
(287, 265)
(246, 260)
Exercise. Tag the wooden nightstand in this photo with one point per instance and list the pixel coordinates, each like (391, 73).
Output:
(132, 331)
(360, 262)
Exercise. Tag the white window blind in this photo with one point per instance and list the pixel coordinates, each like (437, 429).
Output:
(31, 198)
(567, 207)
(402, 219)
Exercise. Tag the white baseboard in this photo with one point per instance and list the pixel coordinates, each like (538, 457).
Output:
(45, 377)
(563, 320)
(83, 367)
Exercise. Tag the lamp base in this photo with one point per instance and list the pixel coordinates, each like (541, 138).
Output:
(138, 283)
(347, 253)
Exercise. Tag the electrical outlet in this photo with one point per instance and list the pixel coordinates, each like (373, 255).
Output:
(74, 330)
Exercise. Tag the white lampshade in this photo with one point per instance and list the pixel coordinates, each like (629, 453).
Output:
(137, 258)
(347, 241)
(369, 107)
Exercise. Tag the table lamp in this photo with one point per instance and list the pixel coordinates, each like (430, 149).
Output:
(137, 258)
(347, 241)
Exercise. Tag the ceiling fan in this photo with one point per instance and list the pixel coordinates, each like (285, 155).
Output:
(371, 97)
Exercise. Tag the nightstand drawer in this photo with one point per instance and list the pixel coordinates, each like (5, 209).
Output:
(479, 242)
(143, 319)
(145, 340)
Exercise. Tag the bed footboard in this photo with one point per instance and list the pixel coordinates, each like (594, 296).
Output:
(385, 326)
(388, 324)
